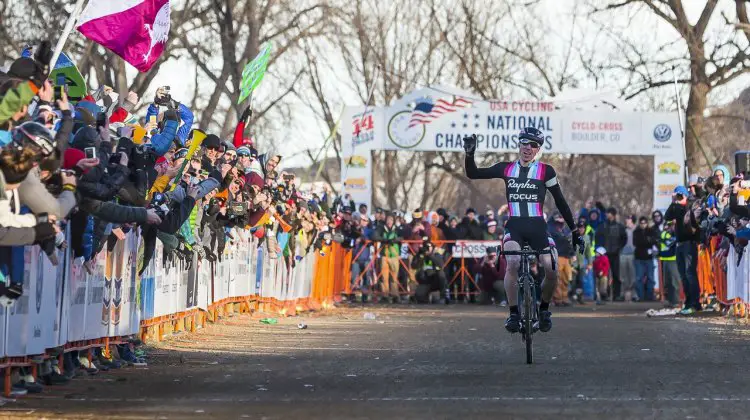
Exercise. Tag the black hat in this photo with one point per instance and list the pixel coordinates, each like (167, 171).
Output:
(23, 68)
(212, 141)
(471, 210)
(612, 211)
(581, 223)
(441, 211)
(347, 210)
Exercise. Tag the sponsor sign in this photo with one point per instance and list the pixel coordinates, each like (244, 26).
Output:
(473, 249)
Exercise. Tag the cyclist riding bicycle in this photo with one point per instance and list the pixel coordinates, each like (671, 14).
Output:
(526, 183)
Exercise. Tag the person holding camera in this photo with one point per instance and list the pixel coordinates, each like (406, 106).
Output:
(429, 273)
(180, 114)
(492, 273)
(686, 251)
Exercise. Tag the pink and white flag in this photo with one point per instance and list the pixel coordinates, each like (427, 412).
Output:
(136, 30)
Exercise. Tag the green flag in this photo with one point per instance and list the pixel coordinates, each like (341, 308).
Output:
(254, 71)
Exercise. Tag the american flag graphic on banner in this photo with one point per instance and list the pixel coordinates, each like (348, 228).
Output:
(425, 111)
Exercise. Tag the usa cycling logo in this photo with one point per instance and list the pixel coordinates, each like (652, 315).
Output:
(662, 133)
(407, 129)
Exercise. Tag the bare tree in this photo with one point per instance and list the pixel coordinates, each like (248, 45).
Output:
(704, 63)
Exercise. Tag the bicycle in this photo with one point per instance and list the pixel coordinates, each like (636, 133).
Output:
(527, 287)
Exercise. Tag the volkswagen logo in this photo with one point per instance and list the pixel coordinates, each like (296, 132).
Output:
(662, 133)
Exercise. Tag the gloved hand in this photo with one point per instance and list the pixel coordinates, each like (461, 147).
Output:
(170, 115)
(578, 242)
(173, 105)
(470, 144)
(43, 232)
(42, 59)
(246, 114)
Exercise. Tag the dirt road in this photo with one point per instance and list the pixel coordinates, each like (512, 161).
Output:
(426, 362)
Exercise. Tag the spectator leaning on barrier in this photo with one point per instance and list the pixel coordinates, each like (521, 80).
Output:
(389, 243)
(612, 237)
(491, 233)
(687, 248)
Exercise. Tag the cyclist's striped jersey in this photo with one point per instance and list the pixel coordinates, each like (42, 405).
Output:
(525, 186)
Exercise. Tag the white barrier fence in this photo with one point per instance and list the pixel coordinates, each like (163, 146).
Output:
(64, 304)
(738, 275)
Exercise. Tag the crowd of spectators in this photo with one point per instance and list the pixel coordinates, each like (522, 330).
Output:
(623, 259)
(96, 168)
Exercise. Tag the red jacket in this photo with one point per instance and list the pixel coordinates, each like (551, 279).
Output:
(601, 265)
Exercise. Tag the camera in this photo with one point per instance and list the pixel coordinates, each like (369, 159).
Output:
(237, 208)
(90, 152)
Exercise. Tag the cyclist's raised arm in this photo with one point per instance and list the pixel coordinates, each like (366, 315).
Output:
(562, 205)
(472, 172)
(494, 171)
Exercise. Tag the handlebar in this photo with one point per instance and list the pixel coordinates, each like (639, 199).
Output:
(526, 252)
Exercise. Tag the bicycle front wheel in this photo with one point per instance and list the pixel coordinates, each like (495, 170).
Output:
(528, 315)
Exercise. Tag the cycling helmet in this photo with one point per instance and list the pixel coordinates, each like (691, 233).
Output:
(36, 134)
(531, 134)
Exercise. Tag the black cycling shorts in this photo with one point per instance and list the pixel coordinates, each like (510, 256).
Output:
(531, 231)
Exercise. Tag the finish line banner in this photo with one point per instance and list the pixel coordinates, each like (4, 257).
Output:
(437, 120)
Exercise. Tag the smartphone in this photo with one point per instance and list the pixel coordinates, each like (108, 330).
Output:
(90, 152)
(152, 120)
(60, 84)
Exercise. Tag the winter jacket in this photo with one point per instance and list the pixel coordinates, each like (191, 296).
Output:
(161, 142)
(560, 234)
(490, 273)
(113, 212)
(601, 266)
(34, 195)
(683, 232)
(469, 230)
(186, 116)
(612, 236)
(644, 240)
(584, 258)
(389, 239)
(14, 236)
(64, 131)
(10, 208)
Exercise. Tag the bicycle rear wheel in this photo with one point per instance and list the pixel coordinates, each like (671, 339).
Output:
(528, 315)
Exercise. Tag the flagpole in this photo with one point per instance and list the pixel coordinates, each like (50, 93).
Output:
(66, 32)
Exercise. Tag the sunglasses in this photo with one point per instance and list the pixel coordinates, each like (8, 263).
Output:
(532, 144)
(213, 148)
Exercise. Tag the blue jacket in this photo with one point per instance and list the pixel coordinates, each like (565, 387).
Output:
(161, 142)
(186, 116)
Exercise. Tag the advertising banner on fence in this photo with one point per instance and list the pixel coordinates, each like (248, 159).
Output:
(473, 249)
